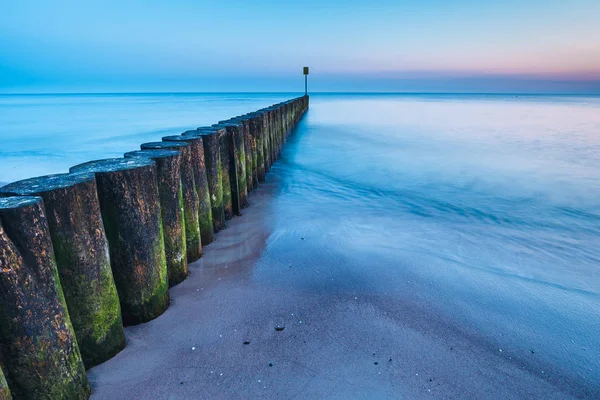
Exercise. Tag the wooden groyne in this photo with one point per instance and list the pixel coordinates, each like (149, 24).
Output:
(85, 253)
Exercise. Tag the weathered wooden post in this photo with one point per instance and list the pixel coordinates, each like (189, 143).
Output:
(191, 204)
(251, 117)
(248, 150)
(199, 164)
(82, 258)
(4, 389)
(277, 129)
(225, 148)
(262, 135)
(168, 166)
(258, 161)
(237, 156)
(272, 136)
(266, 133)
(39, 348)
(278, 133)
(214, 173)
(129, 201)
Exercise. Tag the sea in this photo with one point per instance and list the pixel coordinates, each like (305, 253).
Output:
(483, 208)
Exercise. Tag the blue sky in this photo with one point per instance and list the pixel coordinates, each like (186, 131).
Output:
(230, 45)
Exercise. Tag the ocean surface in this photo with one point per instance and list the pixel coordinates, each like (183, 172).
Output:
(485, 209)
(47, 134)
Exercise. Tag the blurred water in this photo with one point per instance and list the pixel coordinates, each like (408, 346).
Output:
(45, 134)
(485, 208)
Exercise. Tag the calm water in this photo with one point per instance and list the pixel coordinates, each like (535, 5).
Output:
(485, 208)
(44, 134)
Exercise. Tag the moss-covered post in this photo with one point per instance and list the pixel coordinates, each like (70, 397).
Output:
(191, 204)
(255, 129)
(264, 139)
(276, 137)
(278, 133)
(273, 131)
(214, 173)
(282, 132)
(237, 157)
(199, 163)
(286, 119)
(249, 152)
(39, 348)
(225, 144)
(168, 166)
(4, 389)
(289, 119)
(82, 258)
(129, 201)
(267, 139)
(251, 118)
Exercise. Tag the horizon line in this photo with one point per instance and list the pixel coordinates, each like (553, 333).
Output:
(295, 92)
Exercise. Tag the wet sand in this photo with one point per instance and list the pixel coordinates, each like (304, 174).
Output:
(343, 343)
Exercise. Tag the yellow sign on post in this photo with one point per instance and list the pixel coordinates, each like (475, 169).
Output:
(305, 70)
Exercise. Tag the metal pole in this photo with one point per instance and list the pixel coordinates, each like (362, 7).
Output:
(305, 85)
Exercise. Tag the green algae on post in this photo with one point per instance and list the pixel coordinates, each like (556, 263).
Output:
(129, 201)
(214, 174)
(4, 389)
(248, 151)
(239, 156)
(268, 140)
(256, 130)
(39, 348)
(227, 170)
(82, 257)
(200, 175)
(168, 165)
(237, 165)
(251, 118)
(193, 242)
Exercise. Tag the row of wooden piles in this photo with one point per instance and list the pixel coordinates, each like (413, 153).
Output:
(85, 253)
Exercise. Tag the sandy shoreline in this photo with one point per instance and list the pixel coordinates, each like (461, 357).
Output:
(334, 345)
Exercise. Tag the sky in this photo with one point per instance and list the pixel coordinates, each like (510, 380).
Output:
(484, 46)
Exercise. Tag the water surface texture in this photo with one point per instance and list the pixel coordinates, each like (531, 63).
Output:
(468, 216)
(45, 134)
(485, 208)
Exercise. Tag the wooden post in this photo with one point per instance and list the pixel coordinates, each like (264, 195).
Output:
(266, 133)
(129, 201)
(199, 164)
(237, 157)
(191, 204)
(82, 258)
(214, 173)
(249, 151)
(258, 161)
(39, 348)
(225, 146)
(168, 166)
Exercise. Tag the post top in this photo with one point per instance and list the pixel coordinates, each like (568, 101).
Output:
(113, 164)
(8, 203)
(163, 145)
(153, 153)
(179, 138)
(204, 131)
(46, 183)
